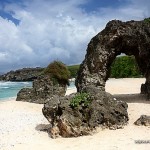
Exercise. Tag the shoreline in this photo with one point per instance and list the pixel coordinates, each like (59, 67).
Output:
(8, 99)
(108, 82)
(20, 122)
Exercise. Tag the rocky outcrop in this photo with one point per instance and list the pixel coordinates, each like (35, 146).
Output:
(43, 89)
(25, 74)
(143, 120)
(101, 109)
(52, 81)
(68, 121)
(131, 38)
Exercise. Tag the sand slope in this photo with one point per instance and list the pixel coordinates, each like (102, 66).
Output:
(18, 121)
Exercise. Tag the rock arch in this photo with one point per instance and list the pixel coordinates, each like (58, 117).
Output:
(131, 38)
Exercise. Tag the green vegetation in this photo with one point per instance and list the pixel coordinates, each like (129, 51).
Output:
(124, 67)
(147, 20)
(81, 99)
(73, 70)
(58, 72)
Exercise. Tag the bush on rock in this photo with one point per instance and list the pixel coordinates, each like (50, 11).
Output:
(58, 72)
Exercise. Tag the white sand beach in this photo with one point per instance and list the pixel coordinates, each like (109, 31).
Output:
(19, 121)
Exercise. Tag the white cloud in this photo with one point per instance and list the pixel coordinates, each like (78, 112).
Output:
(59, 29)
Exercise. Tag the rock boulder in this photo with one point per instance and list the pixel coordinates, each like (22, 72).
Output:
(143, 120)
(43, 89)
(67, 121)
(52, 81)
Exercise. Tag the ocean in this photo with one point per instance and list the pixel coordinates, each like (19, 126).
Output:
(10, 89)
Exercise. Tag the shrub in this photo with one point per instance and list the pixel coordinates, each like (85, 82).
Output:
(73, 70)
(58, 72)
(81, 99)
(147, 20)
(124, 67)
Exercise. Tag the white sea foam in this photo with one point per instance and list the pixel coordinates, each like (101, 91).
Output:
(10, 89)
(5, 87)
(2, 83)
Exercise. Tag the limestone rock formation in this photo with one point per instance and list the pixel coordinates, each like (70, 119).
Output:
(52, 81)
(25, 74)
(68, 121)
(143, 120)
(43, 89)
(131, 38)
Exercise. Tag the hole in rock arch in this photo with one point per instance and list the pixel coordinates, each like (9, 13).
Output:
(125, 77)
(125, 66)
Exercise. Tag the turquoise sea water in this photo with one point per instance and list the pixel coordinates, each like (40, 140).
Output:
(10, 89)
(72, 84)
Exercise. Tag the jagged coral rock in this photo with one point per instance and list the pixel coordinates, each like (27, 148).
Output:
(43, 89)
(131, 38)
(67, 121)
(52, 81)
(143, 120)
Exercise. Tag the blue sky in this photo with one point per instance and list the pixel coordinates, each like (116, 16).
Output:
(35, 32)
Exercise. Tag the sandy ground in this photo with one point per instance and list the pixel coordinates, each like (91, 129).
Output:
(18, 122)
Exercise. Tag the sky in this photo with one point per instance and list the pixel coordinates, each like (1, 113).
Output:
(34, 33)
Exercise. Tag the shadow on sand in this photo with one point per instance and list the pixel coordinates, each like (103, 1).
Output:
(132, 98)
(43, 127)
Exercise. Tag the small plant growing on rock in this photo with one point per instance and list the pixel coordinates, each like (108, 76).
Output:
(81, 99)
(58, 72)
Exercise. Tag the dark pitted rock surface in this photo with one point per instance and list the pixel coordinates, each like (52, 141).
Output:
(52, 81)
(131, 38)
(43, 89)
(25, 74)
(143, 120)
(104, 111)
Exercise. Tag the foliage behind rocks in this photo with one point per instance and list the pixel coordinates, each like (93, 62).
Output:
(122, 67)
(58, 72)
(147, 20)
(73, 70)
(125, 67)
